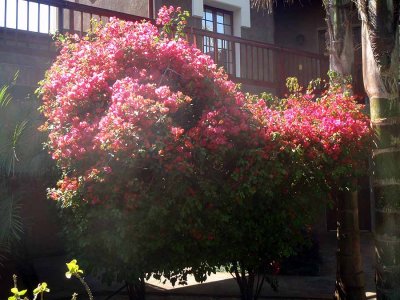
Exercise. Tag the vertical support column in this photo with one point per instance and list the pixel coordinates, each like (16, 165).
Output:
(233, 47)
(60, 20)
(215, 50)
(71, 21)
(237, 55)
(151, 8)
(280, 71)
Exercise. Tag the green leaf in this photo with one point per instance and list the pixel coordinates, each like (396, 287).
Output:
(16, 292)
(21, 293)
(5, 96)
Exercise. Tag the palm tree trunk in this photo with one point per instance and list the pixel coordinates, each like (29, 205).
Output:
(341, 45)
(349, 274)
(380, 42)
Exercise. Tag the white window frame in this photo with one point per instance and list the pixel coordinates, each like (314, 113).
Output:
(241, 17)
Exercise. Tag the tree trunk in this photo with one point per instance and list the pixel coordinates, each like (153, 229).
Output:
(340, 31)
(136, 290)
(246, 283)
(349, 274)
(380, 45)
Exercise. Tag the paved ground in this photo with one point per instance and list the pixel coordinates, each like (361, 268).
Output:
(321, 286)
(219, 286)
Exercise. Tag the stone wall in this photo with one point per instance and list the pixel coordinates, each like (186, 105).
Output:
(136, 7)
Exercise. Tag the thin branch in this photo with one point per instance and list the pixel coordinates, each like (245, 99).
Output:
(259, 284)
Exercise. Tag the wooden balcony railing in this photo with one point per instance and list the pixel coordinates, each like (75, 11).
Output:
(28, 23)
(258, 63)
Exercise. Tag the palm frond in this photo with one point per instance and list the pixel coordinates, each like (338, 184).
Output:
(18, 130)
(5, 96)
(8, 150)
(14, 80)
(267, 5)
(11, 225)
(2, 258)
(21, 150)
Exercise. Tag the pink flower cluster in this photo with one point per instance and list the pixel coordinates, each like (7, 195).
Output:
(165, 14)
(129, 93)
(330, 129)
(127, 99)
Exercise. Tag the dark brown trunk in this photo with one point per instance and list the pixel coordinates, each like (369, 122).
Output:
(136, 290)
(250, 282)
(350, 275)
(246, 283)
(246, 288)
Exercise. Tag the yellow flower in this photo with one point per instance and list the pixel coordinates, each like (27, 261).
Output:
(73, 269)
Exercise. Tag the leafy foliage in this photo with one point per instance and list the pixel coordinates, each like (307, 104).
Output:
(73, 270)
(11, 226)
(163, 156)
(21, 156)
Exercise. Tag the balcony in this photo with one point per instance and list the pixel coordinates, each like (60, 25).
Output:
(26, 27)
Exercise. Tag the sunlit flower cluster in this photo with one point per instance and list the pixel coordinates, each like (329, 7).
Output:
(126, 101)
(127, 93)
(332, 126)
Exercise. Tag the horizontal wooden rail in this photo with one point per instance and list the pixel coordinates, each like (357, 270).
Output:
(250, 62)
(240, 40)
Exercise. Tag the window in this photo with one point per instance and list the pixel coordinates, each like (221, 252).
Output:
(218, 21)
(26, 15)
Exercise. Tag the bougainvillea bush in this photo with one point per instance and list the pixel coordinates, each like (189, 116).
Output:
(168, 168)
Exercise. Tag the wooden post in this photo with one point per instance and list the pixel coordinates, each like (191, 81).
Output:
(60, 20)
(280, 71)
(151, 8)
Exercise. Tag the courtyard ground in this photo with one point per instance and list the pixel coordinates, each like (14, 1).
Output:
(221, 285)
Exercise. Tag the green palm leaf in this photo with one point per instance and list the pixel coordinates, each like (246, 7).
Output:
(11, 226)
(5, 96)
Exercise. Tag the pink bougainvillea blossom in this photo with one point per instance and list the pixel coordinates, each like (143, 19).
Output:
(127, 100)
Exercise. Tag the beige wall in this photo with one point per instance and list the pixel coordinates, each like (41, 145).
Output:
(185, 4)
(81, 22)
(262, 27)
(31, 68)
(296, 26)
(135, 7)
